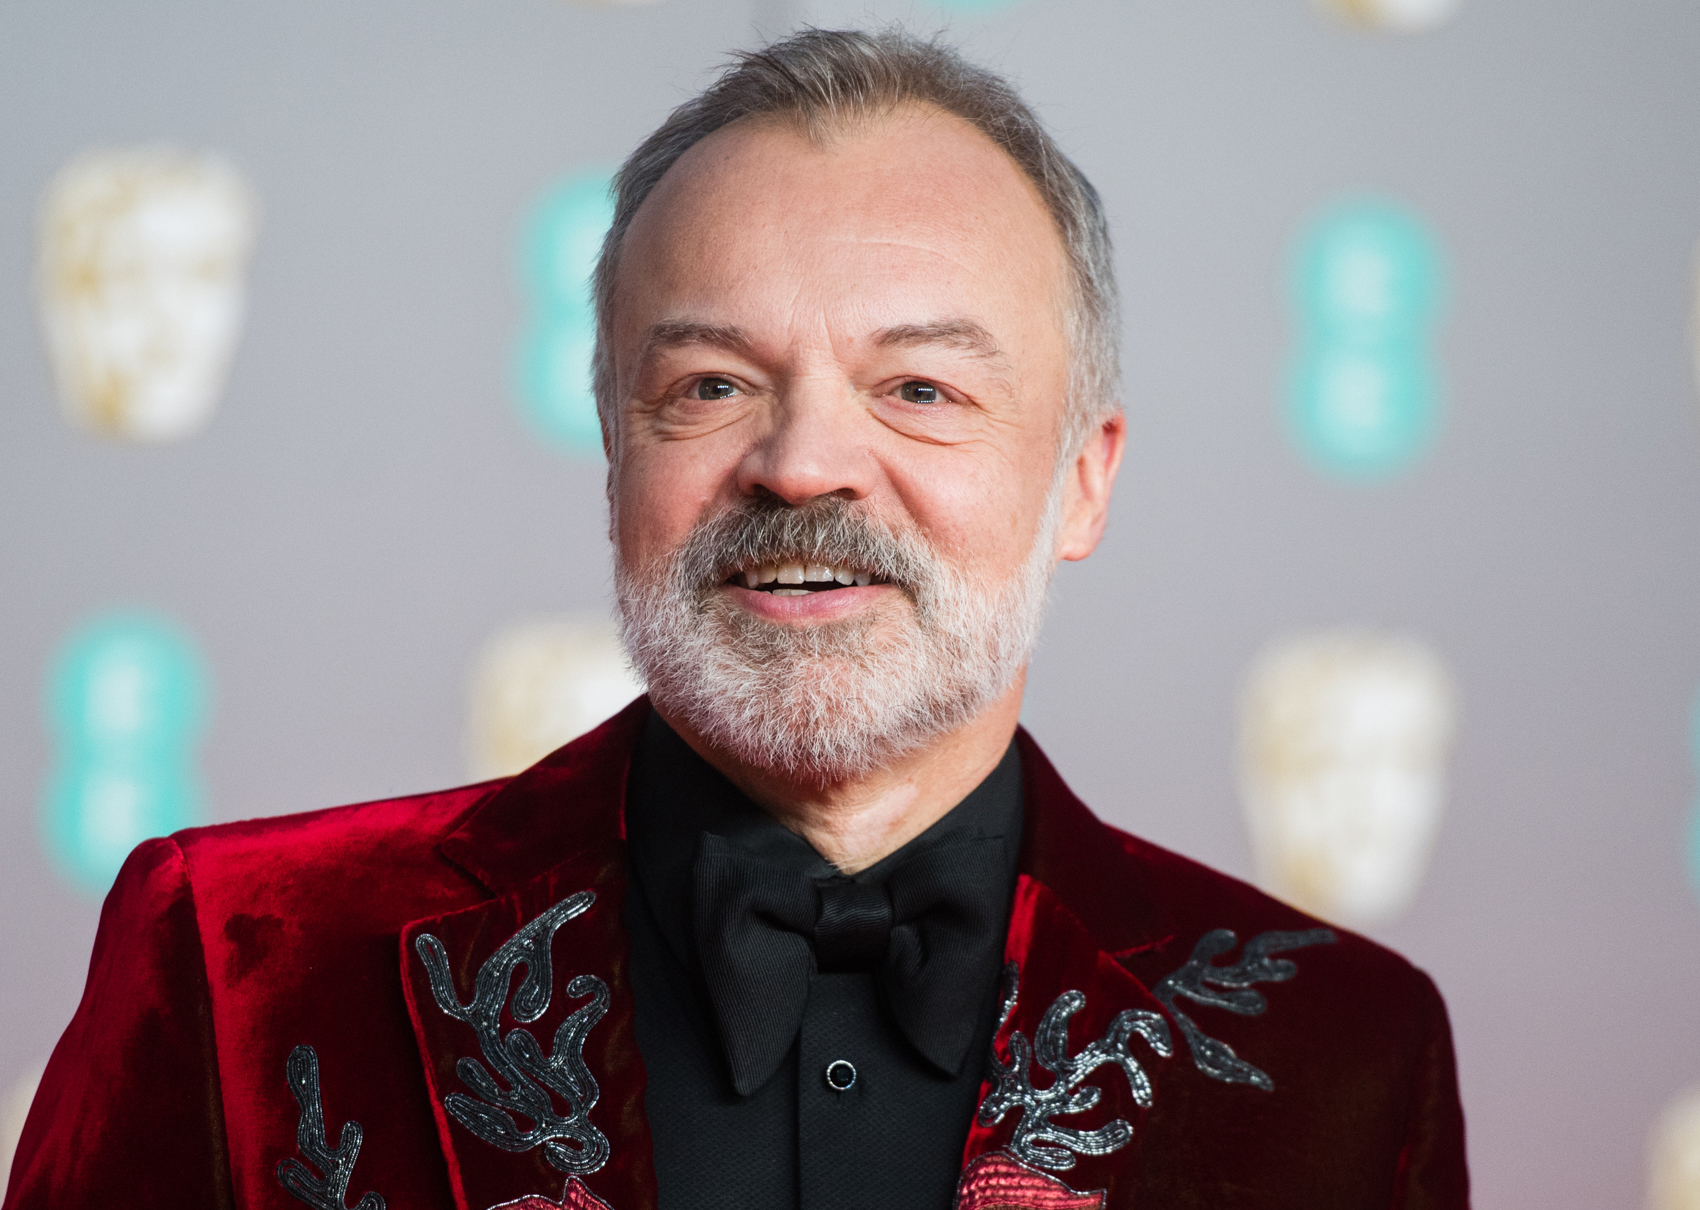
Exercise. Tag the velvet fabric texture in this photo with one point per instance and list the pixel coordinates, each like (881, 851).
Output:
(223, 949)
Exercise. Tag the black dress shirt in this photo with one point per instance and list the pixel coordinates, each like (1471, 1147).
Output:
(894, 1139)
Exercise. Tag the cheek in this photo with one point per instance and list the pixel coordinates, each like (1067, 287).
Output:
(663, 490)
(979, 512)
(648, 518)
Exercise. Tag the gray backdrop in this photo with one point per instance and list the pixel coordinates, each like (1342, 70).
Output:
(367, 509)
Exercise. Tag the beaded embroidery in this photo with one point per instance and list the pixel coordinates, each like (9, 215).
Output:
(330, 1191)
(1040, 1142)
(1229, 987)
(570, 1142)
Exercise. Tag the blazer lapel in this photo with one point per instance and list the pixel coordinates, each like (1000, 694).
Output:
(548, 958)
(1074, 1019)
(522, 1005)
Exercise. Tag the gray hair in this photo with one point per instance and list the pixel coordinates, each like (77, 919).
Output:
(828, 77)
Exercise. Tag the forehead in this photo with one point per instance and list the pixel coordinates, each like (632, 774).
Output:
(915, 204)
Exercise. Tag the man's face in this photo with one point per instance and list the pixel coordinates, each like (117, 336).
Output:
(869, 331)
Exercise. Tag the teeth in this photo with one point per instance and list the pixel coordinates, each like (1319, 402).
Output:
(790, 592)
(794, 575)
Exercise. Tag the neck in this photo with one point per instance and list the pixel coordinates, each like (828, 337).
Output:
(855, 823)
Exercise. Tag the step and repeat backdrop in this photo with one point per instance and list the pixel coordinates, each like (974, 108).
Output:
(1399, 614)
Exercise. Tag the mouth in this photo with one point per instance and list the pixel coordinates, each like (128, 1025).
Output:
(800, 579)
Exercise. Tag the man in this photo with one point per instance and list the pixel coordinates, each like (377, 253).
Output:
(813, 924)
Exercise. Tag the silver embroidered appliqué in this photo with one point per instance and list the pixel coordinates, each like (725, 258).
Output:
(330, 1191)
(1041, 1142)
(570, 1142)
(1229, 987)
(1038, 1140)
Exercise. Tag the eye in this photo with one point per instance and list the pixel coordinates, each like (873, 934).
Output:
(918, 392)
(715, 388)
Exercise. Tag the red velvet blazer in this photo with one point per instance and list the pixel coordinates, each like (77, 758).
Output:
(261, 1027)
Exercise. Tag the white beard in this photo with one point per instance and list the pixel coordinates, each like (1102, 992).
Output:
(829, 702)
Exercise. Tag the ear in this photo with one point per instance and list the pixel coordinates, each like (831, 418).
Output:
(1086, 491)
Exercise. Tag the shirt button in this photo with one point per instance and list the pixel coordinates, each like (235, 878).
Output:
(841, 1075)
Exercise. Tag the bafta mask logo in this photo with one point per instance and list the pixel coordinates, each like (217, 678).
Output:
(539, 685)
(1343, 746)
(143, 256)
(1673, 1156)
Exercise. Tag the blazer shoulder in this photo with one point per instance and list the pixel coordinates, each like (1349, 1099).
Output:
(367, 867)
(1195, 900)
(376, 828)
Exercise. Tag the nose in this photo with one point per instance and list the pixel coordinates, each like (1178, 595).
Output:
(811, 447)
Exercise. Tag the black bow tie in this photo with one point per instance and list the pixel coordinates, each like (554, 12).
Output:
(929, 931)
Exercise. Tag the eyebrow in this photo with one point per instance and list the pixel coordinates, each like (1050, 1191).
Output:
(681, 334)
(963, 334)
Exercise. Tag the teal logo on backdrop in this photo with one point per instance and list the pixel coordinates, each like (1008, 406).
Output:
(126, 702)
(1364, 400)
(552, 363)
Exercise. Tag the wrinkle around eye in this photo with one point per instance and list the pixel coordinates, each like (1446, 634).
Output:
(950, 423)
(674, 414)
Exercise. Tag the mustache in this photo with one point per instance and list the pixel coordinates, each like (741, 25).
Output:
(763, 530)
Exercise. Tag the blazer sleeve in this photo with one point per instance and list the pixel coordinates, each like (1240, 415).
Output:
(1432, 1173)
(129, 1109)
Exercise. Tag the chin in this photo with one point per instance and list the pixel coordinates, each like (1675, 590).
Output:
(819, 719)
